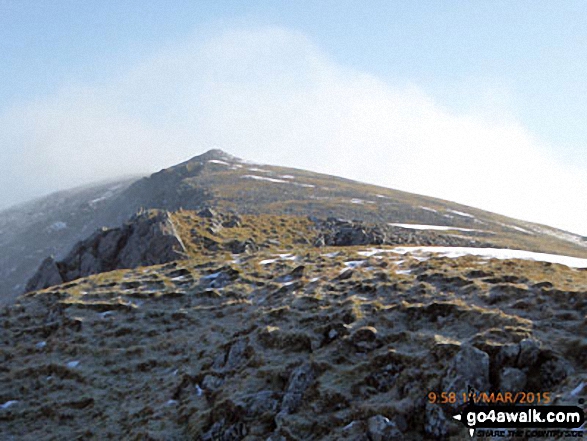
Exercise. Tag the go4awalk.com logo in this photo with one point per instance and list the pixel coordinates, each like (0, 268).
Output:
(513, 420)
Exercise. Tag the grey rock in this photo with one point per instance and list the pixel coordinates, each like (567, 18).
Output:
(237, 355)
(47, 275)
(148, 238)
(512, 379)
(212, 382)
(300, 379)
(233, 221)
(436, 425)
(221, 431)
(469, 367)
(276, 437)
(508, 355)
(207, 213)
(529, 352)
(261, 403)
(554, 371)
(381, 428)
(365, 339)
(242, 246)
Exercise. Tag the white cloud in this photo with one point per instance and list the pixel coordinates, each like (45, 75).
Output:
(271, 96)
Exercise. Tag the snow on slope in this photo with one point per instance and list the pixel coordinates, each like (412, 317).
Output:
(430, 227)
(494, 253)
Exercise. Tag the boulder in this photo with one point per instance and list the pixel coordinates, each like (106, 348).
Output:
(469, 368)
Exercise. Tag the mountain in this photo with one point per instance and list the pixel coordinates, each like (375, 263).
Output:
(31, 232)
(224, 300)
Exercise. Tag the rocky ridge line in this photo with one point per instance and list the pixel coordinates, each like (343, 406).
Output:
(148, 238)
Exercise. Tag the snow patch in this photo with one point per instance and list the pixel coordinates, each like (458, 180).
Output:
(8, 404)
(57, 226)
(514, 227)
(373, 251)
(354, 263)
(407, 271)
(73, 364)
(430, 227)
(263, 178)
(211, 276)
(278, 257)
(576, 391)
(460, 213)
(109, 193)
(287, 177)
(216, 161)
(260, 170)
(569, 237)
(495, 253)
(429, 209)
(360, 201)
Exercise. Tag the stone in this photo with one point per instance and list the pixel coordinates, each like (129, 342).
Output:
(211, 382)
(554, 371)
(529, 352)
(436, 423)
(47, 275)
(207, 213)
(512, 379)
(148, 238)
(300, 379)
(380, 428)
(469, 368)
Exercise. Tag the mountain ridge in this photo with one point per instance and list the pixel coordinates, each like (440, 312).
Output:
(246, 304)
(52, 225)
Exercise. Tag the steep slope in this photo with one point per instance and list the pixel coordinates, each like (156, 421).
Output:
(51, 226)
(30, 233)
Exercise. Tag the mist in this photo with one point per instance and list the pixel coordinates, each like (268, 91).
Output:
(272, 96)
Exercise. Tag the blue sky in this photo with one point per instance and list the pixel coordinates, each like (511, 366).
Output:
(162, 76)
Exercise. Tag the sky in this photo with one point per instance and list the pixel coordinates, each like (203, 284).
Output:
(477, 102)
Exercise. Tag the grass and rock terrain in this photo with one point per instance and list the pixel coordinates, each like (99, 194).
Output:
(289, 327)
(52, 225)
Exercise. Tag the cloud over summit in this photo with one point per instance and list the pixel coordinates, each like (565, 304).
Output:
(270, 95)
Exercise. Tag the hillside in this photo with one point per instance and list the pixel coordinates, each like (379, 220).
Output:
(220, 300)
(257, 333)
(53, 225)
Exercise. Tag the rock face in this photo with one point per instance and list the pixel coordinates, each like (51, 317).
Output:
(148, 238)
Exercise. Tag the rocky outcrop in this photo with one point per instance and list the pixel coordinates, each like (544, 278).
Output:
(148, 238)
(341, 232)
